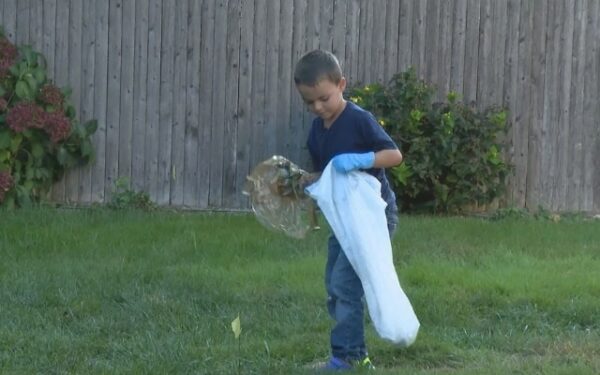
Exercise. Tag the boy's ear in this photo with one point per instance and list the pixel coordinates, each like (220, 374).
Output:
(342, 84)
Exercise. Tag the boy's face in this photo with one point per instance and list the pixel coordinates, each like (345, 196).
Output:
(325, 99)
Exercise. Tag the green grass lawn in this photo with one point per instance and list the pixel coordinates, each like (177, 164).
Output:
(118, 292)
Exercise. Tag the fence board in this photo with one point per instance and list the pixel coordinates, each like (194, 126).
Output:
(74, 81)
(376, 46)
(126, 90)
(100, 99)
(245, 110)
(232, 79)
(140, 94)
(575, 173)
(458, 46)
(22, 31)
(192, 111)
(218, 108)
(179, 104)
(405, 36)
(471, 71)
(537, 73)
(36, 25)
(151, 143)
(9, 18)
(86, 111)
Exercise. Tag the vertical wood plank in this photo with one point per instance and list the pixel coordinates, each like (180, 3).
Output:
(232, 79)
(244, 133)
(432, 50)
(574, 193)
(366, 43)
(140, 95)
(61, 71)
(206, 100)
(126, 90)
(36, 25)
(564, 97)
(499, 37)
(472, 33)
(523, 115)
(538, 73)
(272, 131)
(285, 86)
(22, 32)
(113, 95)
(484, 61)
(457, 65)
(326, 25)
(339, 32)
(392, 17)
(297, 115)
(100, 99)
(9, 19)
(49, 40)
(510, 82)
(405, 35)
(377, 46)
(74, 82)
(550, 116)
(218, 108)
(445, 44)
(259, 52)
(352, 39)
(88, 62)
(192, 104)
(418, 37)
(179, 108)
(165, 128)
(151, 142)
(591, 194)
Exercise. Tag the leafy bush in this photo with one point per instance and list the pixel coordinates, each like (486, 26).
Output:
(40, 137)
(452, 152)
(123, 197)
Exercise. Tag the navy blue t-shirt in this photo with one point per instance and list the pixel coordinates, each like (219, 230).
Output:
(354, 131)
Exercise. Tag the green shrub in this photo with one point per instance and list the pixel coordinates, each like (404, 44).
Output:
(123, 197)
(452, 152)
(40, 137)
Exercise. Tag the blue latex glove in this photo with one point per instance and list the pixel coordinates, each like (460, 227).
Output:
(348, 162)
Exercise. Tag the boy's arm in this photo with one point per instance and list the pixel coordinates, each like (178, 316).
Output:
(381, 159)
(387, 158)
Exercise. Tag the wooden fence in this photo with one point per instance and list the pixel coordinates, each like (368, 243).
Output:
(191, 94)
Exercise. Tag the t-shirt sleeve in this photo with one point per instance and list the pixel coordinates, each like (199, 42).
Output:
(375, 137)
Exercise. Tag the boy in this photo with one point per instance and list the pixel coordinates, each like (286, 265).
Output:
(352, 139)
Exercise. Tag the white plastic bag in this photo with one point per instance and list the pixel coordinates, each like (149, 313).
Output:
(353, 206)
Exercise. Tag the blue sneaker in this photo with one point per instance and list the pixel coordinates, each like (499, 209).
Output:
(337, 364)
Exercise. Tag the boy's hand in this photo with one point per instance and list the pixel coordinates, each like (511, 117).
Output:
(348, 162)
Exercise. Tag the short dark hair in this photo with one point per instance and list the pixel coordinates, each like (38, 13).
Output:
(315, 66)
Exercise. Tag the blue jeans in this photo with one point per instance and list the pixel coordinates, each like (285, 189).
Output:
(344, 300)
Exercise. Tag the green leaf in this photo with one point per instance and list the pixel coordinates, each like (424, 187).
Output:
(15, 142)
(91, 126)
(37, 151)
(2, 90)
(31, 81)
(4, 138)
(70, 112)
(22, 90)
(40, 75)
(62, 156)
(4, 156)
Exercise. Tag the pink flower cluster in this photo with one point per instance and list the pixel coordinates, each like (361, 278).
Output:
(50, 94)
(6, 183)
(27, 115)
(57, 125)
(8, 54)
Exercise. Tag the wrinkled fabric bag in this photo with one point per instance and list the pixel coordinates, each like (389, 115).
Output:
(353, 207)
